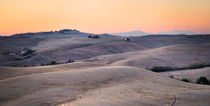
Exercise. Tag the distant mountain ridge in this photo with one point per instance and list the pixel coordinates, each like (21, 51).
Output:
(141, 33)
(77, 33)
(174, 32)
(132, 33)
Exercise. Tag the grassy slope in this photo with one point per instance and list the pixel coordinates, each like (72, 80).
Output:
(191, 74)
(104, 85)
(61, 50)
(114, 79)
(78, 48)
(174, 56)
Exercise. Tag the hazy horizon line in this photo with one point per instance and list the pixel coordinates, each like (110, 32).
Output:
(107, 32)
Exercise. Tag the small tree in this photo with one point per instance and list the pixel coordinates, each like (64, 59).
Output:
(185, 80)
(70, 61)
(127, 39)
(89, 36)
(42, 64)
(29, 51)
(202, 80)
(160, 69)
(95, 37)
(171, 76)
(198, 65)
(5, 53)
(53, 63)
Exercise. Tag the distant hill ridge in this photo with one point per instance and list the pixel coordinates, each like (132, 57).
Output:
(132, 33)
(54, 34)
(174, 32)
(141, 33)
(63, 31)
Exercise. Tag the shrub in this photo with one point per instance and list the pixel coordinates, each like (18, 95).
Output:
(95, 37)
(198, 65)
(42, 64)
(29, 51)
(166, 68)
(14, 65)
(17, 59)
(127, 39)
(5, 53)
(202, 80)
(89, 36)
(171, 76)
(185, 80)
(160, 69)
(70, 61)
(52, 63)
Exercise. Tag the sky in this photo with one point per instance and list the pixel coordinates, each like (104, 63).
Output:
(104, 16)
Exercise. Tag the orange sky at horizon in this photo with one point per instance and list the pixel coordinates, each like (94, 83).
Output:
(104, 16)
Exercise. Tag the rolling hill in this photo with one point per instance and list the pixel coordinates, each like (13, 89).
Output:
(95, 84)
(106, 70)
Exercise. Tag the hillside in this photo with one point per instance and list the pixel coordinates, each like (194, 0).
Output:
(174, 56)
(191, 74)
(103, 70)
(63, 49)
(104, 85)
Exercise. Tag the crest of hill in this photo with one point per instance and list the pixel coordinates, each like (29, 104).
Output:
(54, 34)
